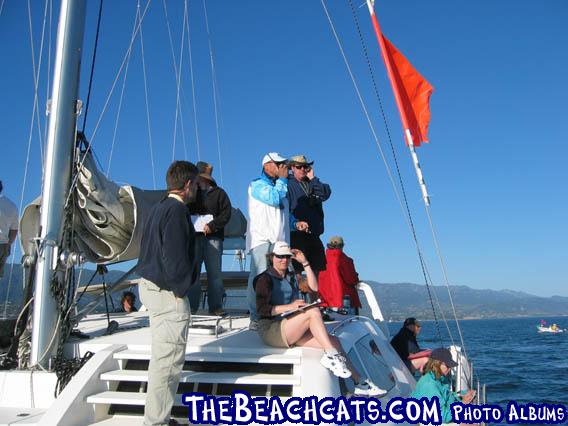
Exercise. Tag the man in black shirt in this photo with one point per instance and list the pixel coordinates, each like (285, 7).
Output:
(214, 207)
(166, 265)
(307, 195)
(404, 343)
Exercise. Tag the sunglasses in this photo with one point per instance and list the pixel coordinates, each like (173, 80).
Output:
(283, 256)
(302, 166)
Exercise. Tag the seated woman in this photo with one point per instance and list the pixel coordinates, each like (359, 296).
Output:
(434, 382)
(277, 292)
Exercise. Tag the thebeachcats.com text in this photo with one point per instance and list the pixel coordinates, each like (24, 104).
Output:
(241, 408)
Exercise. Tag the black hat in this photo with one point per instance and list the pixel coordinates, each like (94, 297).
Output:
(444, 355)
(411, 321)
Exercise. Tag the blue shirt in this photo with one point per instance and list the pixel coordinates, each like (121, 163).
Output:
(272, 290)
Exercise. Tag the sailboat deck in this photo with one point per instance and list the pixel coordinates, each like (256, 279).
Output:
(134, 332)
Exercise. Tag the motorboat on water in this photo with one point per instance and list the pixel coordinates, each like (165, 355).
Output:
(550, 329)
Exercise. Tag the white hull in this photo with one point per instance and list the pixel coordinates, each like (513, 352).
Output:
(549, 330)
(110, 388)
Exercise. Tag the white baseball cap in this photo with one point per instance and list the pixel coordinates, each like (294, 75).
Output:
(281, 248)
(274, 157)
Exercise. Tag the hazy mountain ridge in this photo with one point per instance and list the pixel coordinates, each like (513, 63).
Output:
(397, 300)
(402, 300)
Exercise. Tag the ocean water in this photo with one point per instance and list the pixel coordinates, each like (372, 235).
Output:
(509, 355)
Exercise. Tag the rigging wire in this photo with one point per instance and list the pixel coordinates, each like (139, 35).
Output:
(215, 91)
(446, 323)
(382, 154)
(48, 85)
(178, 85)
(147, 103)
(174, 62)
(193, 91)
(428, 210)
(113, 86)
(445, 273)
(105, 106)
(399, 175)
(36, 73)
(121, 97)
(93, 66)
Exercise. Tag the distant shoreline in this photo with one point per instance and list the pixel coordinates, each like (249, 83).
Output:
(537, 317)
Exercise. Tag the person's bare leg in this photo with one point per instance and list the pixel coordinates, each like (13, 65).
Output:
(354, 373)
(309, 341)
(297, 327)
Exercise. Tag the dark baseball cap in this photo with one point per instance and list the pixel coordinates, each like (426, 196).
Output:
(411, 321)
(444, 355)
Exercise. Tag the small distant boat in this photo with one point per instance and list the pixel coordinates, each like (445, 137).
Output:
(551, 329)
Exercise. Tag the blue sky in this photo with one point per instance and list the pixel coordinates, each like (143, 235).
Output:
(495, 167)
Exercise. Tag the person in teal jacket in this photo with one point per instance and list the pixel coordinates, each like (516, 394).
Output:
(434, 382)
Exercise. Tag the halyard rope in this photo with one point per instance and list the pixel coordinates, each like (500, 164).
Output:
(383, 157)
(147, 103)
(195, 123)
(428, 211)
(215, 91)
(36, 74)
(121, 97)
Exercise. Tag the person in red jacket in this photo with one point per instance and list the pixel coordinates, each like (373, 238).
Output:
(340, 277)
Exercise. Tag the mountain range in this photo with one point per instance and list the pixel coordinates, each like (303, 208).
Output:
(399, 300)
(402, 300)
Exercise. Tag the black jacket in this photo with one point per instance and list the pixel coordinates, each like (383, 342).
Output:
(404, 343)
(214, 201)
(167, 250)
(306, 200)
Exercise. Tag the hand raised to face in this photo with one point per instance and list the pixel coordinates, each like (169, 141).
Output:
(282, 170)
(310, 173)
(298, 256)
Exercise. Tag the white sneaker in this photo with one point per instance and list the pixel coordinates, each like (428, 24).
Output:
(368, 388)
(337, 364)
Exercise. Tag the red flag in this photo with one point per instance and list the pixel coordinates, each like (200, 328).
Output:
(414, 93)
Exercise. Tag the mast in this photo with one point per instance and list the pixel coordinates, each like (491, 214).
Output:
(57, 178)
(399, 104)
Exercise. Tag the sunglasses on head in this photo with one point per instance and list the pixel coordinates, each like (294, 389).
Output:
(283, 256)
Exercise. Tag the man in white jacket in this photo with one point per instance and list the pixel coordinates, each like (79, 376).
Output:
(269, 218)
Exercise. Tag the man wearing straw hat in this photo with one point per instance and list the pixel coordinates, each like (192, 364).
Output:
(307, 194)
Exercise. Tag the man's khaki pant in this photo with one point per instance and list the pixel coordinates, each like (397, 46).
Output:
(169, 318)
